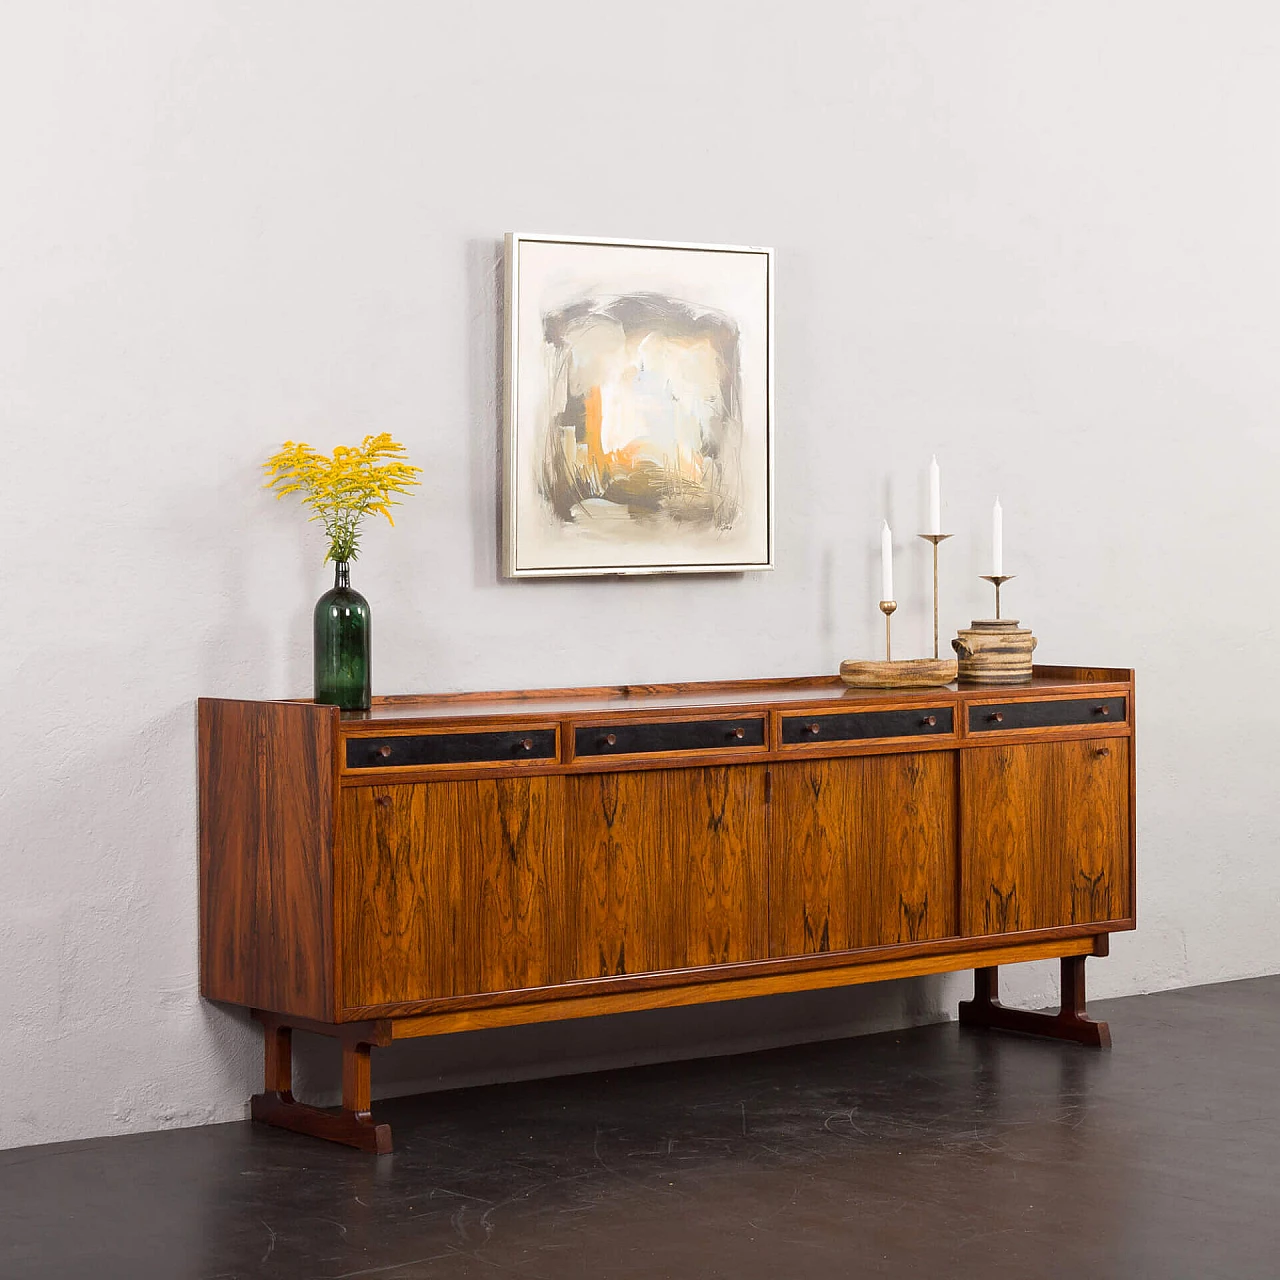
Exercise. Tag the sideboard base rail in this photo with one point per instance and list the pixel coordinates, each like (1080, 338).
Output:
(352, 1124)
(1069, 1023)
(589, 1006)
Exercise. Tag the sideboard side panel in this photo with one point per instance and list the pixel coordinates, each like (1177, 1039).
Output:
(267, 805)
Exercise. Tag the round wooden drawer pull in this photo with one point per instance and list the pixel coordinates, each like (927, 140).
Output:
(737, 733)
(384, 751)
(527, 744)
(1103, 751)
(997, 716)
(1103, 710)
(929, 721)
(610, 739)
(814, 728)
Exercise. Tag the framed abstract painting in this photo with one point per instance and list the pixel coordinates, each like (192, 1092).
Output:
(639, 407)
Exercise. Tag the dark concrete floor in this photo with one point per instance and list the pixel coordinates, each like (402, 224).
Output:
(932, 1152)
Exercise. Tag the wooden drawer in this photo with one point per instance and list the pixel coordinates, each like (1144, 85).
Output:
(1059, 713)
(855, 726)
(469, 746)
(597, 740)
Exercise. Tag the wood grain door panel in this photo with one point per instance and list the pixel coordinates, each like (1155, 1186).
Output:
(1046, 835)
(664, 870)
(449, 887)
(862, 852)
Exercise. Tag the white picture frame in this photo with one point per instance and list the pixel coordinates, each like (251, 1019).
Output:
(638, 407)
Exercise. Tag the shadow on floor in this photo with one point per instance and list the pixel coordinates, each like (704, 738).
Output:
(932, 1152)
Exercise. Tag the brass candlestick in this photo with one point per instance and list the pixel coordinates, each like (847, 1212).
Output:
(911, 673)
(887, 607)
(998, 579)
(935, 538)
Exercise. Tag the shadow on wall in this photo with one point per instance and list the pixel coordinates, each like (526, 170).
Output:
(485, 357)
(101, 856)
(622, 1040)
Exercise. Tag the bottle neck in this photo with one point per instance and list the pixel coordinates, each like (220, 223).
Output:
(342, 574)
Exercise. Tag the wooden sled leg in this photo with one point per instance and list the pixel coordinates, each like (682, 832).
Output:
(1069, 1023)
(352, 1124)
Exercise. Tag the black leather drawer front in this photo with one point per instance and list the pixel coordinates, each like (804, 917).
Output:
(670, 735)
(1046, 715)
(855, 725)
(451, 748)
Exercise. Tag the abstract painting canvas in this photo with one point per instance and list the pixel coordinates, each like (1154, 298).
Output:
(639, 414)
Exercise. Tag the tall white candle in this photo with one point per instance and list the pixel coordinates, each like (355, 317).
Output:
(935, 496)
(997, 540)
(886, 562)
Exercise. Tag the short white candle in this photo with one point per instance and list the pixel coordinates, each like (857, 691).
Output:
(886, 562)
(935, 496)
(997, 540)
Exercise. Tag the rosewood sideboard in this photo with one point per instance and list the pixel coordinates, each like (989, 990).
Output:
(451, 862)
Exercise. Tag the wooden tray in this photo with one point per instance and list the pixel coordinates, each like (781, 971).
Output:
(913, 673)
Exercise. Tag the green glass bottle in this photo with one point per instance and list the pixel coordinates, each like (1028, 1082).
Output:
(342, 626)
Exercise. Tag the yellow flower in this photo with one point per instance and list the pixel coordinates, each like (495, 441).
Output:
(341, 490)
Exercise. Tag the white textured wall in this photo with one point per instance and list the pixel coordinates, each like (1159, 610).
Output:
(1038, 238)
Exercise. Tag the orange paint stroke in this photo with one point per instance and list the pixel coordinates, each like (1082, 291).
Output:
(594, 416)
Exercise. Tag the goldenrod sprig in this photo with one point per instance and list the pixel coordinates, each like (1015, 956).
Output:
(341, 490)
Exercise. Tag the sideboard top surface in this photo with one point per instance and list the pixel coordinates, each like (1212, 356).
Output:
(799, 692)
